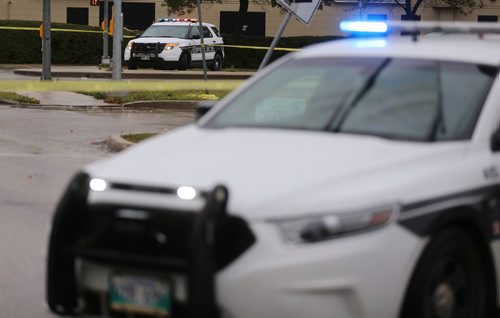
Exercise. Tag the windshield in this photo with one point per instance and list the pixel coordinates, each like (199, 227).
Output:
(393, 98)
(169, 31)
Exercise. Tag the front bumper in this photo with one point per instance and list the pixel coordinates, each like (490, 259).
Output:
(362, 276)
(257, 275)
(145, 57)
(190, 245)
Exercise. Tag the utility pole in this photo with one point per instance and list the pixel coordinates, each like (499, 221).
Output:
(202, 40)
(46, 42)
(117, 41)
(105, 36)
(277, 37)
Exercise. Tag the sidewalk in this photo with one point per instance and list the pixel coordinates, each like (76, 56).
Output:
(96, 72)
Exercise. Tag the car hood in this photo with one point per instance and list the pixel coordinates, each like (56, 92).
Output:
(275, 173)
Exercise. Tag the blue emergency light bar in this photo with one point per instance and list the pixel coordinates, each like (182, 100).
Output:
(363, 26)
(415, 27)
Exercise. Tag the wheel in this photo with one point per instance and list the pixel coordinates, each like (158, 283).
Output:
(449, 280)
(131, 65)
(183, 62)
(217, 63)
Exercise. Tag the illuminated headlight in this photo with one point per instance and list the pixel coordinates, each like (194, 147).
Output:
(186, 193)
(129, 45)
(318, 228)
(97, 184)
(170, 46)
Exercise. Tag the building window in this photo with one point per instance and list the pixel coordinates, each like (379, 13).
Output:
(136, 15)
(376, 17)
(254, 23)
(77, 15)
(487, 18)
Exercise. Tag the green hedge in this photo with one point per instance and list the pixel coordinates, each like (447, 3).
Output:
(251, 58)
(22, 46)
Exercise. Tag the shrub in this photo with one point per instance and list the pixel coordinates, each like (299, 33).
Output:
(24, 46)
(251, 58)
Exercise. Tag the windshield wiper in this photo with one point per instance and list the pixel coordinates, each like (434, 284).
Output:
(349, 106)
(438, 119)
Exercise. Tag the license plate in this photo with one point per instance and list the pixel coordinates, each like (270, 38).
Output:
(140, 295)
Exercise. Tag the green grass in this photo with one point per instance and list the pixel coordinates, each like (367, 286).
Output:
(138, 137)
(152, 96)
(18, 98)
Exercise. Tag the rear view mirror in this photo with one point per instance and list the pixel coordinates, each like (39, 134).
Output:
(203, 107)
(195, 36)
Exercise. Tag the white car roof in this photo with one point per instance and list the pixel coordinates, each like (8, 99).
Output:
(459, 48)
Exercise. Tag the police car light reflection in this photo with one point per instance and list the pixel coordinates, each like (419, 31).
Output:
(380, 43)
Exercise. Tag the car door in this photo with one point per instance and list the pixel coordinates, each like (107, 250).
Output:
(196, 42)
(209, 41)
(217, 39)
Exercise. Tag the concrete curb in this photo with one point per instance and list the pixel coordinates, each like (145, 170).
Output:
(9, 102)
(138, 74)
(162, 104)
(115, 143)
(142, 105)
(70, 107)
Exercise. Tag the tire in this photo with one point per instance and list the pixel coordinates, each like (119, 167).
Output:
(183, 63)
(131, 65)
(449, 280)
(217, 63)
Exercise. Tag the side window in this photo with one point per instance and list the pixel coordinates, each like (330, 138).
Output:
(195, 32)
(216, 32)
(206, 32)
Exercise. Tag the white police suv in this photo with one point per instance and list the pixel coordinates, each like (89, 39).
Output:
(176, 44)
(357, 178)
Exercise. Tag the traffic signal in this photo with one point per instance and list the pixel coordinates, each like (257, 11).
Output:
(94, 2)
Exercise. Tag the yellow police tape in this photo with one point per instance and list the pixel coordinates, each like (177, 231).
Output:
(259, 47)
(131, 36)
(58, 30)
(113, 86)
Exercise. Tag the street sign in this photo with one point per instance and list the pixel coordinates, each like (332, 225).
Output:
(302, 9)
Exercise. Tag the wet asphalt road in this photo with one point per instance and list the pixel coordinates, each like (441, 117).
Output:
(39, 152)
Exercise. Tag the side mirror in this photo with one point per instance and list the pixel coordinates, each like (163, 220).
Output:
(195, 37)
(495, 141)
(203, 107)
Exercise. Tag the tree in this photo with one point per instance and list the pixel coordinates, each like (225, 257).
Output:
(410, 8)
(182, 7)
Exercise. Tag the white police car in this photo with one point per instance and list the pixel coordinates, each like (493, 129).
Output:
(176, 44)
(356, 178)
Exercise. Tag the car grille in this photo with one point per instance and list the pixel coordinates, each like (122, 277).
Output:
(160, 239)
(148, 47)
